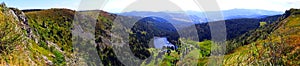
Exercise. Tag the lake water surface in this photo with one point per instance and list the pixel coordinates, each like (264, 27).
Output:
(159, 42)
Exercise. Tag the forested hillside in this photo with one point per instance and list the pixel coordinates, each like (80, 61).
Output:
(36, 37)
(275, 44)
(44, 37)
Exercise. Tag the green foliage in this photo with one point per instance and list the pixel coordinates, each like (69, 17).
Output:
(15, 46)
(191, 53)
(102, 33)
(143, 32)
(270, 44)
(10, 33)
(59, 58)
(251, 36)
(234, 27)
(52, 25)
(261, 24)
(204, 47)
(275, 44)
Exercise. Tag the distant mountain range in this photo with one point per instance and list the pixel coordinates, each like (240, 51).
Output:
(199, 17)
(64, 37)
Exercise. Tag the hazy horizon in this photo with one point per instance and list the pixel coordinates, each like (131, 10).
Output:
(118, 6)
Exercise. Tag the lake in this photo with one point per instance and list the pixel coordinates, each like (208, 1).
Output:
(160, 42)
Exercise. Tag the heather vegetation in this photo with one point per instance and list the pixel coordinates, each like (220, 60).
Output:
(275, 44)
(263, 44)
(10, 38)
(53, 31)
(44, 37)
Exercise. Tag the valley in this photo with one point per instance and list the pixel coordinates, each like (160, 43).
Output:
(65, 37)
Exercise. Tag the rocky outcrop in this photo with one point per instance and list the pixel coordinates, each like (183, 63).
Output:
(17, 26)
(23, 21)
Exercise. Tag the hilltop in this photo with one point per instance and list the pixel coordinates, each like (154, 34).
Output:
(46, 37)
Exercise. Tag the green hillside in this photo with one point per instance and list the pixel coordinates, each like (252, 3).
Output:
(276, 44)
(11, 39)
(44, 37)
(271, 44)
(36, 37)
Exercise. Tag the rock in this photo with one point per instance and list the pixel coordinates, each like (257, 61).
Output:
(48, 62)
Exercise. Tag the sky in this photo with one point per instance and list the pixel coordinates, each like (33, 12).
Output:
(117, 6)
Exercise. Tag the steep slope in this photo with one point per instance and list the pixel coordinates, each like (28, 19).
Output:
(146, 29)
(36, 37)
(43, 37)
(276, 44)
(52, 29)
(12, 38)
(17, 45)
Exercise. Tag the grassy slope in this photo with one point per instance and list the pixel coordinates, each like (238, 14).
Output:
(192, 53)
(281, 47)
(17, 49)
(10, 29)
(53, 25)
(274, 44)
(53, 31)
(51, 42)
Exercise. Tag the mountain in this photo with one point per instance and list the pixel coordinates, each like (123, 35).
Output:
(55, 37)
(174, 17)
(248, 13)
(25, 37)
(199, 17)
(277, 42)
(43, 36)
(234, 27)
(46, 38)
(46, 34)
(241, 13)
(148, 27)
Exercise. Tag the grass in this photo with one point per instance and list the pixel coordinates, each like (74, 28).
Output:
(11, 40)
(280, 48)
(17, 49)
(193, 52)
(53, 25)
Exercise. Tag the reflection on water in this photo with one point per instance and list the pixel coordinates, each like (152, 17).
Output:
(160, 42)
